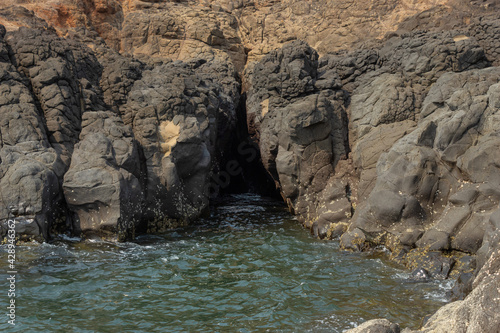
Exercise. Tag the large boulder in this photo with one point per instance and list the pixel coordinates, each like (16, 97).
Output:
(102, 186)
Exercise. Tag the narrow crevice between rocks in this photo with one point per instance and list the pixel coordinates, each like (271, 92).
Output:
(240, 168)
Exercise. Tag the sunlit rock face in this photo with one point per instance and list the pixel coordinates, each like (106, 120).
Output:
(239, 31)
(377, 121)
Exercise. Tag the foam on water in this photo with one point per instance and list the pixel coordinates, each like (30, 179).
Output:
(250, 268)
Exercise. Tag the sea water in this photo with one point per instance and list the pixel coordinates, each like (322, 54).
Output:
(250, 267)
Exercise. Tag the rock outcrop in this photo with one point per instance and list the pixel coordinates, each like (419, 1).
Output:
(238, 30)
(378, 122)
(30, 167)
(418, 165)
(182, 114)
(98, 143)
(296, 113)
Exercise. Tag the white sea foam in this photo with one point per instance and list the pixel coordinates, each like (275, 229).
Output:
(69, 239)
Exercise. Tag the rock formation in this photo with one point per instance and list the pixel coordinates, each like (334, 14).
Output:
(99, 143)
(377, 121)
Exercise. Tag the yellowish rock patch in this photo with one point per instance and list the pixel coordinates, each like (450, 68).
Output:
(169, 133)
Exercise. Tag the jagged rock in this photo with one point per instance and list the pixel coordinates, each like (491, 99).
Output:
(386, 104)
(64, 77)
(118, 76)
(182, 32)
(29, 166)
(301, 131)
(180, 112)
(16, 16)
(152, 135)
(478, 312)
(435, 264)
(485, 30)
(419, 192)
(238, 30)
(102, 186)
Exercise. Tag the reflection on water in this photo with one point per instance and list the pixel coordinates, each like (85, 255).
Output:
(250, 268)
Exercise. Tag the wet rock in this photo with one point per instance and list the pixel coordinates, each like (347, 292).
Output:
(376, 326)
(434, 264)
(462, 286)
(420, 274)
(478, 312)
(353, 240)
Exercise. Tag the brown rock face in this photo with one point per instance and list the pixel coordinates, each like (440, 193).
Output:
(238, 30)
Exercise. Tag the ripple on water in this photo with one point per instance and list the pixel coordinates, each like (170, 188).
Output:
(251, 267)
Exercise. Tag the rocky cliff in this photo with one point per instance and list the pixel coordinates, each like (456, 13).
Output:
(377, 122)
(96, 142)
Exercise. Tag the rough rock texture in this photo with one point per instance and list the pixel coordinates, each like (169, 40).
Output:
(102, 185)
(181, 114)
(478, 312)
(437, 187)
(297, 111)
(64, 79)
(418, 166)
(236, 29)
(296, 114)
(99, 143)
(29, 167)
(378, 121)
(484, 29)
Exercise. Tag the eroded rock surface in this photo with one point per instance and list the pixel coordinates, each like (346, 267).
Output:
(102, 144)
(377, 120)
(239, 30)
(29, 166)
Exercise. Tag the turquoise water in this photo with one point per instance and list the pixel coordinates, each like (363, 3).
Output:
(250, 268)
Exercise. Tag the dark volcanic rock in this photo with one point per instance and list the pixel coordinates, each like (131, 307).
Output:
(180, 113)
(297, 117)
(102, 185)
(478, 312)
(29, 166)
(64, 76)
(437, 187)
(297, 114)
(132, 142)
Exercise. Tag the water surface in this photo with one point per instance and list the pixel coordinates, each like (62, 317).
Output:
(250, 268)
